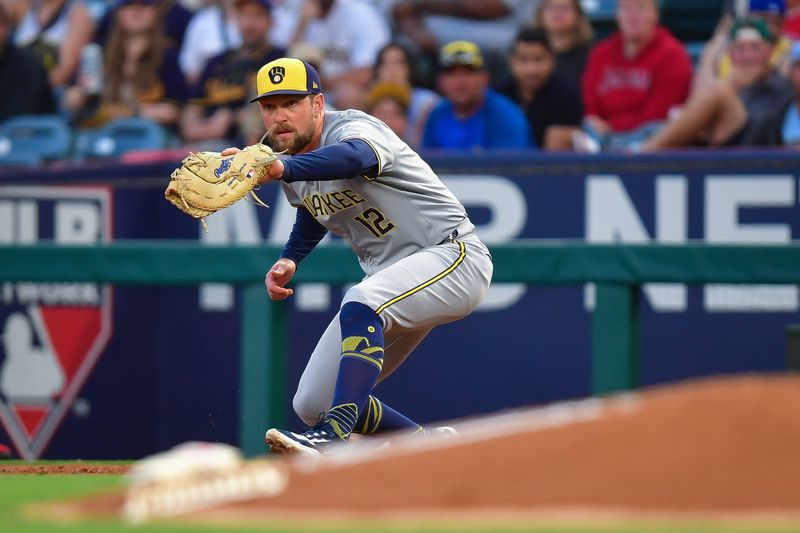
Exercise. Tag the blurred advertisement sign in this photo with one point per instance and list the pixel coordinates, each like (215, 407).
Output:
(52, 334)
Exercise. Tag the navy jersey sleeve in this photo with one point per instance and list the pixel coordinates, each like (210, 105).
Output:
(306, 234)
(344, 160)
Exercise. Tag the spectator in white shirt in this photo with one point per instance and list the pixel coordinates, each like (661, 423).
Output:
(211, 31)
(350, 32)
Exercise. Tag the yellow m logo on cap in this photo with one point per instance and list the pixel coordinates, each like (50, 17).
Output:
(276, 74)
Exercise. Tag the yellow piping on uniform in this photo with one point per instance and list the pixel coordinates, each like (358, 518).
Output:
(378, 416)
(431, 281)
(377, 155)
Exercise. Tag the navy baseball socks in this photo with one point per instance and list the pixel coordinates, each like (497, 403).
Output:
(378, 417)
(354, 409)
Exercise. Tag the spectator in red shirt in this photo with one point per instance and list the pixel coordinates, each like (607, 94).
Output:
(635, 76)
(791, 22)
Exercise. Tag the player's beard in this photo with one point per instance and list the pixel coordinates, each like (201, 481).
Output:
(293, 145)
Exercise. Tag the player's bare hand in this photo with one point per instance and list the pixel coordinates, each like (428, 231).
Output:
(230, 151)
(274, 173)
(277, 278)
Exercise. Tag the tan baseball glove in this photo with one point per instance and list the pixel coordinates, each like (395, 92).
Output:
(208, 181)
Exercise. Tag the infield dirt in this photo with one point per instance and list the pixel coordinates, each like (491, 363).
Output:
(68, 468)
(727, 447)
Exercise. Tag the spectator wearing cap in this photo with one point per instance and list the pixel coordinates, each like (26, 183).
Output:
(745, 109)
(141, 73)
(790, 128)
(634, 77)
(772, 13)
(24, 87)
(553, 107)
(389, 102)
(215, 117)
(472, 116)
(715, 60)
(55, 31)
(349, 32)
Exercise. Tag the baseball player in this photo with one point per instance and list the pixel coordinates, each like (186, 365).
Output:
(348, 173)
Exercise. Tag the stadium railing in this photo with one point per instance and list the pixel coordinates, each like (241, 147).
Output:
(617, 270)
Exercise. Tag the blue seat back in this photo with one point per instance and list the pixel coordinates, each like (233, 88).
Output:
(35, 137)
(120, 136)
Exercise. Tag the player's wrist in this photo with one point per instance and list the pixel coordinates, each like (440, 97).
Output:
(288, 263)
(286, 173)
(274, 172)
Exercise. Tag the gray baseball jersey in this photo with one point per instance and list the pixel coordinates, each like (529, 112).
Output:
(404, 209)
(399, 224)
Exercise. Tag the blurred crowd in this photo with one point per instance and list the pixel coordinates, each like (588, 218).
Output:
(443, 74)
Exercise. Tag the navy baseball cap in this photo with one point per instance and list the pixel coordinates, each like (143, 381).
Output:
(287, 75)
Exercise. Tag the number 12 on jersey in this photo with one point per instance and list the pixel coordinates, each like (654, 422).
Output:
(375, 222)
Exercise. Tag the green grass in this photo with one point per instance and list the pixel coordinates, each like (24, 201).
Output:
(18, 491)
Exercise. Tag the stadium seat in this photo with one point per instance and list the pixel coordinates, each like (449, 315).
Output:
(14, 160)
(120, 136)
(31, 139)
(691, 20)
(601, 14)
(599, 10)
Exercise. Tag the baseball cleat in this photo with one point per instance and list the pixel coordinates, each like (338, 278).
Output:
(313, 442)
(437, 432)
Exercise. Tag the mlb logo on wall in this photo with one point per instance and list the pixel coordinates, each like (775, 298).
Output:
(51, 334)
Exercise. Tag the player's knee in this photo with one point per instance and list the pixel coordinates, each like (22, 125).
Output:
(356, 295)
(308, 408)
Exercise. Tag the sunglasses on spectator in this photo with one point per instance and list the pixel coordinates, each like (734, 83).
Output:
(461, 59)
